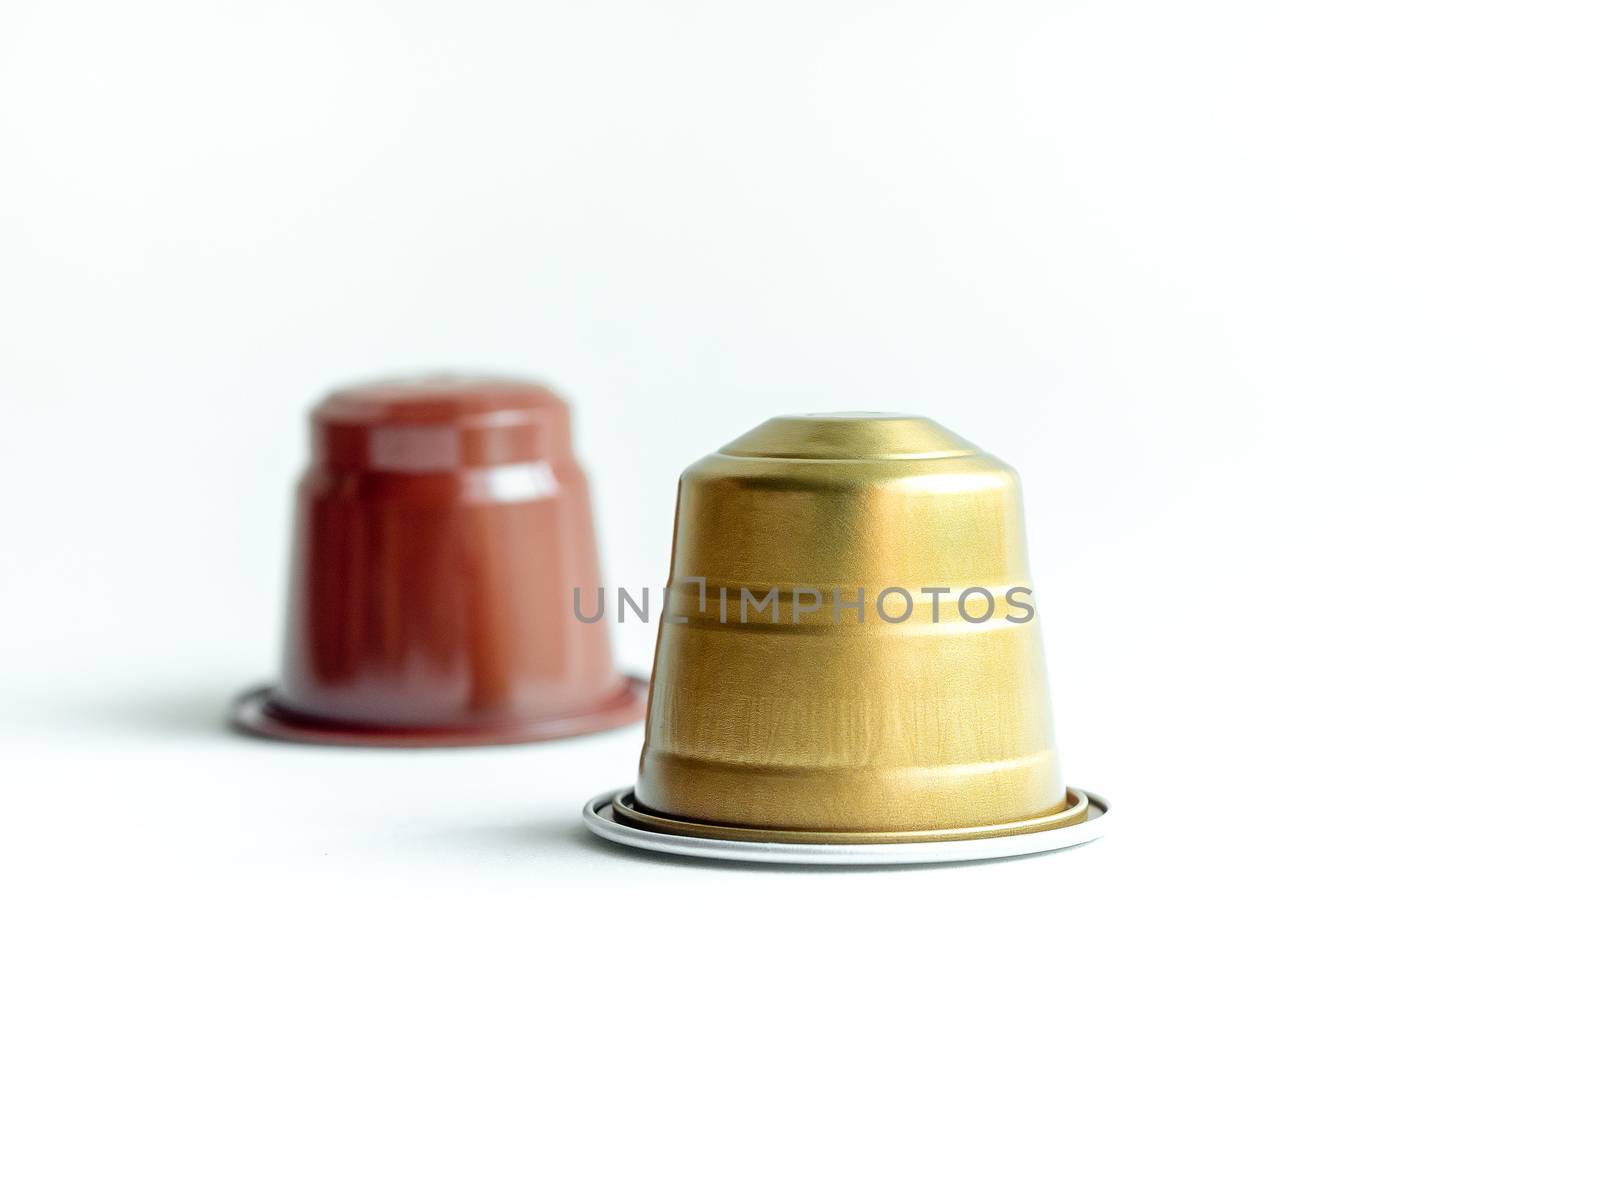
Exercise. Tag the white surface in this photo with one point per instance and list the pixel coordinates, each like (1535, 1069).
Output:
(1285, 313)
(600, 817)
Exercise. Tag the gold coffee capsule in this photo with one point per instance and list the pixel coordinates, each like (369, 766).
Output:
(849, 653)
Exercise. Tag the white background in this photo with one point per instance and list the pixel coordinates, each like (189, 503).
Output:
(1286, 313)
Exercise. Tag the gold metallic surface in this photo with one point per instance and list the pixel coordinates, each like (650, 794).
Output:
(824, 729)
(628, 810)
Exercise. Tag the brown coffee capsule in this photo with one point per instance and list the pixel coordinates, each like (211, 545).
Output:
(440, 532)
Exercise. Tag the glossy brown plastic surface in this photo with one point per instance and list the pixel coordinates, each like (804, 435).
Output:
(439, 533)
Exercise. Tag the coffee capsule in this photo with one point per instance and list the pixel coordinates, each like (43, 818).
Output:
(849, 665)
(440, 532)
